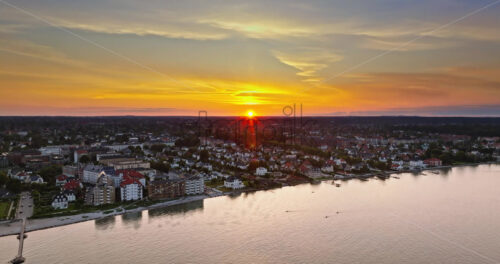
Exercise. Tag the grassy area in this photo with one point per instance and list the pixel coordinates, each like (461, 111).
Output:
(224, 189)
(4, 209)
(457, 163)
(73, 209)
(214, 183)
(142, 203)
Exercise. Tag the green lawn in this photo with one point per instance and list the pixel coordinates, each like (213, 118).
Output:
(4, 209)
(214, 183)
(224, 189)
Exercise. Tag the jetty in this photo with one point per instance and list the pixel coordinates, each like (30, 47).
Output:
(19, 258)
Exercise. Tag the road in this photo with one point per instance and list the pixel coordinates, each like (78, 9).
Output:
(25, 207)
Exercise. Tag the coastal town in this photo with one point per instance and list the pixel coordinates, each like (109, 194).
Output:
(60, 169)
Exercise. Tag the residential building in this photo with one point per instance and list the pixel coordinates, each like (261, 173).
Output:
(128, 173)
(60, 201)
(19, 175)
(70, 194)
(397, 166)
(72, 184)
(166, 188)
(117, 180)
(315, 173)
(434, 162)
(91, 173)
(4, 161)
(126, 163)
(194, 185)
(131, 189)
(261, 171)
(61, 180)
(35, 162)
(233, 183)
(416, 164)
(36, 179)
(102, 193)
(51, 150)
(70, 171)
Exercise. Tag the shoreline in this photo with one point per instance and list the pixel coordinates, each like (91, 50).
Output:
(12, 227)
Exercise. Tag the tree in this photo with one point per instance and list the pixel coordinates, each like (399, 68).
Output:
(161, 166)
(460, 156)
(254, 164)
(49, 173)
(3, 177)
(84, 159)
(121, 138)
(204, 155)
(445, 158)
(14, 186)
(187, 141)
(157, 147)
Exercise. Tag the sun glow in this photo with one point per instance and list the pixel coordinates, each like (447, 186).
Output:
(250, 114)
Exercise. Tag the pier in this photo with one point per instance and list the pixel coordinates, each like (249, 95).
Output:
(19, 258)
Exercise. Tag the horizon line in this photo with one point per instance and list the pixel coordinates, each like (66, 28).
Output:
(402, 115)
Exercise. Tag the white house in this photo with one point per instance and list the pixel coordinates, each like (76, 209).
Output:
(70, 195)
(397, 166)
(399, 162)
(60, 201)
(339, 162)
(233, 183)
(207, 166)
(261, 171)
(20, 175)
(131, 189)
(36, 179)
(417, 164)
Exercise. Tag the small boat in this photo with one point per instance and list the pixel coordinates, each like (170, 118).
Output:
(337, 185)
(395, 177)
(435, 172)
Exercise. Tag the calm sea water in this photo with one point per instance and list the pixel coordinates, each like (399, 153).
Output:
(451, 217)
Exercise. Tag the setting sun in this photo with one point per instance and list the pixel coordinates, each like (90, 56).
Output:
(250, 114)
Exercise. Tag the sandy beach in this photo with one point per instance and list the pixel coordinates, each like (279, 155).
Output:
(12, 228)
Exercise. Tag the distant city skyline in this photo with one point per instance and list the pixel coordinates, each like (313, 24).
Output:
(382, 57)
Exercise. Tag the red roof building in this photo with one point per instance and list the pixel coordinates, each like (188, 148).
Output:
(131, 189)
(61, 180)
(72, 185)
(130, 173)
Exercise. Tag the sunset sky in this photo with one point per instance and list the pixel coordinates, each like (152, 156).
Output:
(377, 57)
